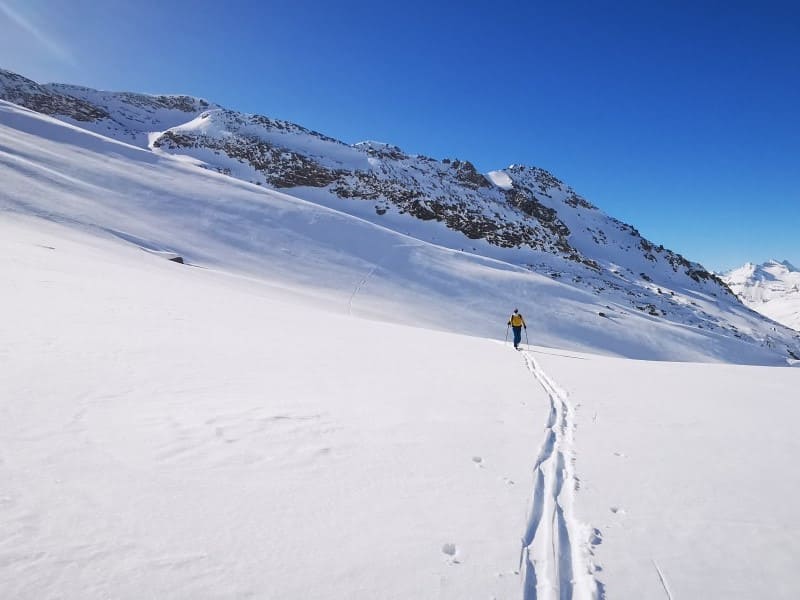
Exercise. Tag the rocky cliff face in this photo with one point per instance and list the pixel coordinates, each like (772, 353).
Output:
(19, 90)
(520, 214)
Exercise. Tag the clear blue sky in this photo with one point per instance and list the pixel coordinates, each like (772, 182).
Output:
(681, 118)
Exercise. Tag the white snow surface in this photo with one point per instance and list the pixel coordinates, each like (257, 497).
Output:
(177, 432)
(500, 179)
(236, 428)
(161, 202)
(620, 293)
(771, 288)
(174, 432)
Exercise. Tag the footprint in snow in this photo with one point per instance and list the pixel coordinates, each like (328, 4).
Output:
(617, 510)
(478, 461)
(450, 550)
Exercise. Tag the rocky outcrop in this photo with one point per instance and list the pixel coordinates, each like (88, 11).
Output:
(19, 90)
(281, 168)
(522, 214)
(531, 211)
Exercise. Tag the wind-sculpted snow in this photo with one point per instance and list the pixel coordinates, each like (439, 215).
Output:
(166, 203)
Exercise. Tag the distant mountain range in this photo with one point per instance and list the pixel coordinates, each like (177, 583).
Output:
(771, 288)
(521, 215)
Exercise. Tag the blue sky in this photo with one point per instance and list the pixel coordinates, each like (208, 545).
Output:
(680, 118)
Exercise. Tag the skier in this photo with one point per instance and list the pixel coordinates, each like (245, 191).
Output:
(517, 323)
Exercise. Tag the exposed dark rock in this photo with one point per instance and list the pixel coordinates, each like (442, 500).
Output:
(576, 201)
(469, 176)
(20, 90)
(531, 206)
(449, 191)
(281, 168)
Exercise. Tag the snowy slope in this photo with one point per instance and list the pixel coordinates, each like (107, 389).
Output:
(67, 174)
(771, 288)
(178, 432)
(133, 118)
(173, 432)
(235, 429)
(687, 479)
(521, 215)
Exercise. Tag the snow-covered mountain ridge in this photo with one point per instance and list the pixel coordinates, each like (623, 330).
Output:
(519, 208)
(605, 273)
(125, 116)
(261, 422)
(771, 288)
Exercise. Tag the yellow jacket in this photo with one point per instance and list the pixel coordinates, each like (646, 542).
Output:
(516, 320)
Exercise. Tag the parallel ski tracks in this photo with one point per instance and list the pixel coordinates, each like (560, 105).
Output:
(554, 558)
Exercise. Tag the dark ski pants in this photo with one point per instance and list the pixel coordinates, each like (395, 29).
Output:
(517, 335)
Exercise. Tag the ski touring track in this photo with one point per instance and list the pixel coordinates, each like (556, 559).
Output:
(556, 554)
(358, 288)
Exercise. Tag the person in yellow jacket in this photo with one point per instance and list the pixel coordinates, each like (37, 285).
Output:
(517, 323)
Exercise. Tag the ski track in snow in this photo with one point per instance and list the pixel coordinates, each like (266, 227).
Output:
(555, 559)
(662, 579)
(358, 288)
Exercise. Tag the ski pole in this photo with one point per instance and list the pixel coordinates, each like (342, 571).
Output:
(526, 337)
(507, 326)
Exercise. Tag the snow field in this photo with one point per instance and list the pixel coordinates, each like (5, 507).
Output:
(238, 429)
(687, 471)
(174, 432)
(178, 432)
(66, 174)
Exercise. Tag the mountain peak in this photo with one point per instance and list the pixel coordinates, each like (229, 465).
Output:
(776, 266)
(771, 288)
